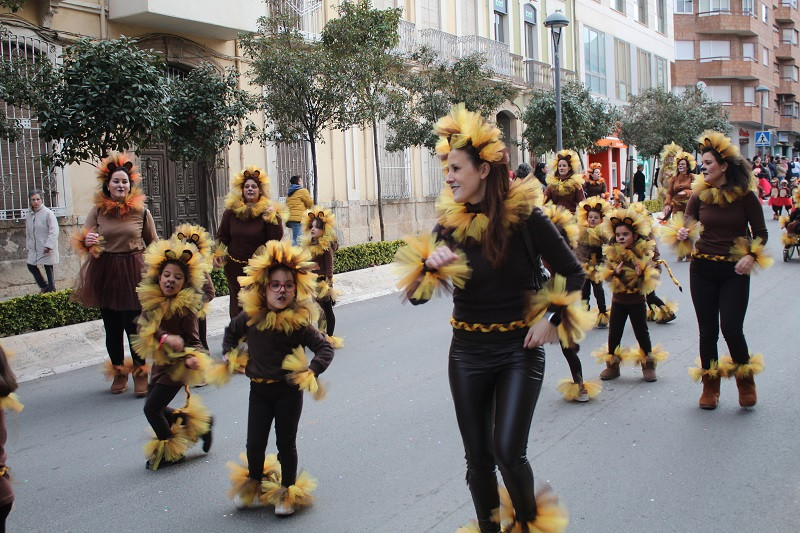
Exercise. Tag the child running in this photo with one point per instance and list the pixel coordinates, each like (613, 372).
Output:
(278, 317)
(171, 296)
(632, 273)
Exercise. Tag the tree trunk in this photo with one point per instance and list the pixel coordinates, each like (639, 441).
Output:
(211, 193)
(377, 173)
(314, 167)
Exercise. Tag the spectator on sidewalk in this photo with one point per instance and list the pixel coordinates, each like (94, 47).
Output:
(41, 240)
(639, 183)
(298, 200)
(540, 173)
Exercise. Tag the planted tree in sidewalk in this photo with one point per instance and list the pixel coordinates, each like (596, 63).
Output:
(105, 95)
(305, 88)
(207, 113)
(432, 85)
(362, 38)
(657, 117)
(584, 119)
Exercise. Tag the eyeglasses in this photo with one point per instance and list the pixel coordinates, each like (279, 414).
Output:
(276, 286)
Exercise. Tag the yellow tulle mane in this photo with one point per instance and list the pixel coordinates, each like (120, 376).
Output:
(270, 210)
(163, 250)
(564, 221)
(691, 163)
(197, 235)
(461, 127)
(566, 186)
(633, 217)
(596, 204)
(328, 237)
(718, 142)
(721, 196)
(134, 201)
(670, 149)
(282, 253)
(571, 157)
(522, 197)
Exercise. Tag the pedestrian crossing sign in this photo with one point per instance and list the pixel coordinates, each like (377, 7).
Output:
(763, 138)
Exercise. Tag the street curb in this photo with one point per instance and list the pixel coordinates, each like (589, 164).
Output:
(58, 350)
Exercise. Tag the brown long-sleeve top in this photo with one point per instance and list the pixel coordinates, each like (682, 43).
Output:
(324, 263)
(6, 493)
(499, 295)
(569, 202)
(679, 191)
(243, 237)
(133, 232)
(594, 188)
(723, 225)
(628, 298)
(186, 326)
(268, 348)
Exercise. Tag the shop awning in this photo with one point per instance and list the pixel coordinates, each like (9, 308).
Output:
(611, 142)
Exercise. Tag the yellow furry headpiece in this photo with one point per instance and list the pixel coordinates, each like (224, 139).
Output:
(196, 235)
(251, 172)
(462, 127)
(638, 222)
(689, 158)
(595, 166)
(670, 149)
(118, 161)
(718, 142)
(282, 253)
(596, 204)
(570, 156)
(174, 249)
(325, 216)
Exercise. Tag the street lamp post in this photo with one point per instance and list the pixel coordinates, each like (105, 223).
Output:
(763, 89)
(556, 21)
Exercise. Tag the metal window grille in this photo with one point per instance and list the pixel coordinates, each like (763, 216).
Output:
(21, 170)
(293, 160)
(435, 175)
(395, 169)
(310, 15)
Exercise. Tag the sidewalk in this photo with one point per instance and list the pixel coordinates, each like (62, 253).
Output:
(53, 351)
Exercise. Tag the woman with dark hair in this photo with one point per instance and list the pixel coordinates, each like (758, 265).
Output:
(488, 242)
(680, 186)
(565, 186)
(540, 173)
(522, 172)
(113, 238)
(730, 245)
(250, 220)
(8, 400)
(319, 238)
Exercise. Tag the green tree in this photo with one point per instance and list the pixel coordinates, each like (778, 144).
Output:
(432, 86)
(584, 119)
(657, 117)
(304, 84)
(206, 109)
(13, 5)
(106, 95)
(363, 38)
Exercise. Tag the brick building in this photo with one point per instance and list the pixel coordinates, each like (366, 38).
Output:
(733, 46)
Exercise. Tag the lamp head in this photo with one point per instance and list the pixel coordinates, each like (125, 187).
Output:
(556, 21)
(762, 89)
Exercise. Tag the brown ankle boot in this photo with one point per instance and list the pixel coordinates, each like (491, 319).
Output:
(140, 381)
(710, 395)
(611, 371)
(747, 390)
(120, 383)
(649, 371)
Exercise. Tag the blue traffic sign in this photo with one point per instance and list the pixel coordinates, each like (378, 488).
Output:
(763, 138)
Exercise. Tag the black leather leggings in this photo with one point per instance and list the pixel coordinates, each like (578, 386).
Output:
(616, 325)
(157, 410)
(495, 387)
(653, 299)
(720, 298)
(118, 324)
(574, 362)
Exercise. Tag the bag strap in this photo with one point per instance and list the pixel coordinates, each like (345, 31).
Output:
(540, 277)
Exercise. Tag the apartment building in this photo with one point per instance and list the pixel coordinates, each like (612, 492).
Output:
(509, 32)
(626, 47)
(733, 46)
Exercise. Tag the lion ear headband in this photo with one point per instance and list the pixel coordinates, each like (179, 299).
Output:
(112, 167)
(255, 174)
(194, 238)
(320, 215)
(185, 256)
(627, 221)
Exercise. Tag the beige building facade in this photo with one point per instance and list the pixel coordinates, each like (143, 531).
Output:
(509, 32)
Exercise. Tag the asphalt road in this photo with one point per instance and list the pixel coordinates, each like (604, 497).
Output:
(384, 444)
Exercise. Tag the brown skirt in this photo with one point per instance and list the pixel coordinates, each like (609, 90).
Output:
(109, 282)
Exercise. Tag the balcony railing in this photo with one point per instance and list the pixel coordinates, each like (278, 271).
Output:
(498, 55)
(408, 37)
(444, 44)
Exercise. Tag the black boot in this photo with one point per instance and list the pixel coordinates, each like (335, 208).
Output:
(207, 437)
